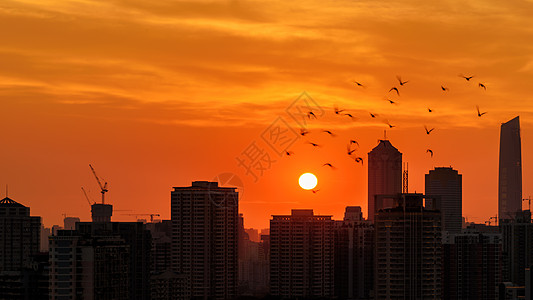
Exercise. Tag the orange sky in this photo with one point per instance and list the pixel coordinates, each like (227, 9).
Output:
(158, 94)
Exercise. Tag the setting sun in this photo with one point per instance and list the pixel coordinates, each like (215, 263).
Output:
(308, 181)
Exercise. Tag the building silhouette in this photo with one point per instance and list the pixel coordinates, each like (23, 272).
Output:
(301, 255)
(408, 250)
(384, 174)
(517, 237)
(354, 256)
(204, 238)
(444, 187)
(21, 266)
(510, 170)
(472, 267)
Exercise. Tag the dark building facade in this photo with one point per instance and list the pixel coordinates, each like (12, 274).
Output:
(354, 256)
(408, 253)
(444, 186)
(517, 235)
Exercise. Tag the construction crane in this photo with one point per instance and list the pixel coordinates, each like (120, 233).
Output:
(86, 196)
(529, 201)
(103, 188)
(137, 215)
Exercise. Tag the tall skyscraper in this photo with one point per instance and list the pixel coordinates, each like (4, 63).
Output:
(301, 255)
(510, 171)
(204, 238)
(384, 173)
(408, 250)
(354, 256)
(445, 186)
(472, 267)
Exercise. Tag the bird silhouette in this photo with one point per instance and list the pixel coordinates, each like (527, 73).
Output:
(482, 86)
(359, 84)
(338, 111)
(479, 114)
(313, 144)
(350, 151)
(390, 126)
(349, 115)
(395, 89)
(309, 114)
(391, 102)
(329, 165)
(428, 131)
(467, 77)
(289, 153)
(373, 115)
(430, 152)
(303, 132)
(354, 142)
(443, 88)
(430, 110)
(314, 191)
(359, 160)
(400, 80)
(328, 132)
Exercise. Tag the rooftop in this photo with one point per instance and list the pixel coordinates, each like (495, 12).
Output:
(10, 202)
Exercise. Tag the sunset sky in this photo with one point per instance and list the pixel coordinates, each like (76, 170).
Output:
(156, 94)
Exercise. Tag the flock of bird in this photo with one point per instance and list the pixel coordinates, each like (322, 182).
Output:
(351, 152)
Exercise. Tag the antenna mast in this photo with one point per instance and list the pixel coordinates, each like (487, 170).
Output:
(405, 177)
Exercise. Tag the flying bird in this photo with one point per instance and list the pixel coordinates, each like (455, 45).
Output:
(479, 114)
(329, 165)
(289, 153)
(467, 77)
(400, 80)
(482, 86)
(444, 89)
(328, 132)
(309, 114)
(395, 89)
(430, 152)
(303, 132)
(314, 145)
(338, 111)
(390, 126)
(430, 110)
(359, 84)
(428, 131)
(354, 142)
(349, 115)
(350, 151)
(359, 160)
(391, 102)
(373, 115)
(314, 191)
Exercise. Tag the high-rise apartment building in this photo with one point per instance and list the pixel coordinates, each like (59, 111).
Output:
(384, 174)
(302, 255)
(472, 267)
(510, 170)
(354, 256)
(444, 186)
(408, 250)
(204, 238)
(517, 235)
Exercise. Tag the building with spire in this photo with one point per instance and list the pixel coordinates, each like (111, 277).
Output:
(384, 174)
(510, 170)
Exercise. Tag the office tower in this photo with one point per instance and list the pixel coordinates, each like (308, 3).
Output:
(444, 186)
(408, 250)
(384, 174)
(204, 238)
(354, 256)
(301, 255)
(472, 267)
(89, 267)
(510, 170)
(69, 223)
(517, 237)
(19, 235)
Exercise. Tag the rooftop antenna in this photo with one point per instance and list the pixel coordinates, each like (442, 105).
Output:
(405, 181)
(6, 192)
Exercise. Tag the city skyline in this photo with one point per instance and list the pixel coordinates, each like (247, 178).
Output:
(157, 96)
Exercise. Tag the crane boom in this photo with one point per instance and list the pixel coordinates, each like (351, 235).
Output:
(86, 196)
(103, 188)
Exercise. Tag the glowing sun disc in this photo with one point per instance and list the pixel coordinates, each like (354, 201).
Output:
(307, 181)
